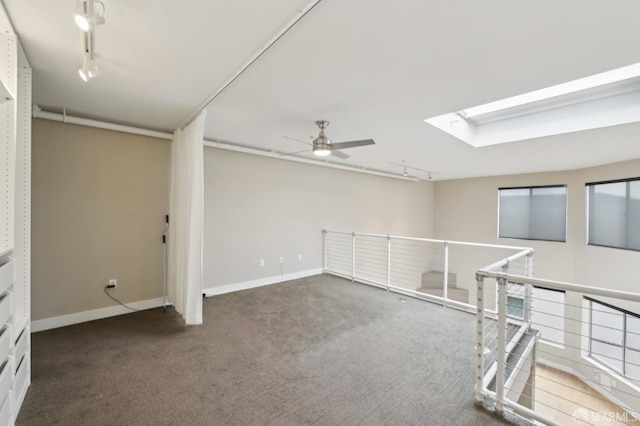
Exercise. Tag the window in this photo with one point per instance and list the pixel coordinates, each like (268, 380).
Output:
(614, 214)
(533, 213)
(547, 310)
(614, 339)
(547, 313)
(515, 307)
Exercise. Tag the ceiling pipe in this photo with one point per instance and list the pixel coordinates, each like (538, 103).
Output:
(275, 154)
(69, 119)
(65, 118)
(266, 46)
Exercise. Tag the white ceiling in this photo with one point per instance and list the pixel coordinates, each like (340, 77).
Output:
(374, 69)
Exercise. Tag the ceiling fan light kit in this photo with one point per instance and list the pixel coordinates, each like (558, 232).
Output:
(322, 145)
(321, 151)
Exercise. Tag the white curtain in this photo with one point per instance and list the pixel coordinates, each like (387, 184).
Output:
(185, 221)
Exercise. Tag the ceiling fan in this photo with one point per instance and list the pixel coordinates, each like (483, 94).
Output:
(323, 146)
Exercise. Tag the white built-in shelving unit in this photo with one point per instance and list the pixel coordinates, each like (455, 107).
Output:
(15, 227)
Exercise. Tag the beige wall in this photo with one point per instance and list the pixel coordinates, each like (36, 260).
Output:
(263, 208)
(467, 209)
(99, 200)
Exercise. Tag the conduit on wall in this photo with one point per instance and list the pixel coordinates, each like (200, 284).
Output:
(69, 119)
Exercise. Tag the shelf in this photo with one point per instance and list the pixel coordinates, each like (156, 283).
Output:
(5, 251)
(5, 93)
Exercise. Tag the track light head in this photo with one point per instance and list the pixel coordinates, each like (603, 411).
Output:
(84, 70)
(94, 71)
(82, 21)
(88, 70)
(84, 74)
(86, 16)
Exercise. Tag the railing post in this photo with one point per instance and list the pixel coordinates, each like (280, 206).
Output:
(528, 264)
(502, 337)
(446, 273)
(480, 339)
(528, 288)
(353, 256)
(388, 263)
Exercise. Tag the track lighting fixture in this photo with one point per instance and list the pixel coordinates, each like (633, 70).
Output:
(86, 16)
(406, 167)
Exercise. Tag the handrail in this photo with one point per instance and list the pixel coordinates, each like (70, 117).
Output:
(559, 285)
(505, 262)
(429, 240)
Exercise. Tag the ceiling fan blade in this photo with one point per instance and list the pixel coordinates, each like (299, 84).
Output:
(352, 144)
(339, 154)
(298, 140)
(293, 153)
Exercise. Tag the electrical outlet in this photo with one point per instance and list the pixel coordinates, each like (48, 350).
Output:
(261, 262)
(113, 283)
(281, 259)
(596, 376)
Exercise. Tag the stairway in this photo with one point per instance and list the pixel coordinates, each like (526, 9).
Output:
(433, 283)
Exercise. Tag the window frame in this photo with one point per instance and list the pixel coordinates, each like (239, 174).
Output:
(589, 185)
(623, 346)
(531, 188)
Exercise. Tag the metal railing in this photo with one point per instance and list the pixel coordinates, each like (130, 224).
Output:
(538, 354)
(542, 356)
(435, 270)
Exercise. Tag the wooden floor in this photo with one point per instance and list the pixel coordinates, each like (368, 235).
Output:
(567, 400)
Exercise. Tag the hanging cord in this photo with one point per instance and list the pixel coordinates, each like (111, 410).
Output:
(128, 307)
(164, 264)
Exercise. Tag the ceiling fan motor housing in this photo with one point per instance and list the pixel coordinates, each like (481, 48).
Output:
(322, 144)
(322, 141)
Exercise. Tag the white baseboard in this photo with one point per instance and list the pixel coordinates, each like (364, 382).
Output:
(111, 311)
(64, 320)
(213, 291)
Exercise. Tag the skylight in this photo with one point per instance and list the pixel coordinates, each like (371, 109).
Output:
(601, 100)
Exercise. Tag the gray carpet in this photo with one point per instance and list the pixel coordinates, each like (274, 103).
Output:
(319, 350)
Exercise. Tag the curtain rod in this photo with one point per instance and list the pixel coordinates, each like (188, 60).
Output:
(281, 32)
